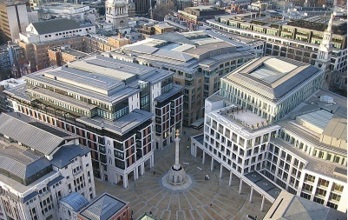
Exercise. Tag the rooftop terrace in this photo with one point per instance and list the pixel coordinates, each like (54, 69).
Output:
(243, 117)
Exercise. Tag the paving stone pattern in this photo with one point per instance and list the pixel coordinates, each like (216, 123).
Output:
(204, 199)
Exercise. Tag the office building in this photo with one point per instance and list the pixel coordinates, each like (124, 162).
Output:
(56, 29)
(298, 39)
(142, 7)
(14, 20)
(120, 110)
(40, 165)
(198, 14)
(19, 65)
(198, 59)
(5, 64)
(271, 122)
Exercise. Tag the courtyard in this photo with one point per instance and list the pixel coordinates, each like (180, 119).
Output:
(206, 198)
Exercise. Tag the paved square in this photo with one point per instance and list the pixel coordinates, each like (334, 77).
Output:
(205, 199)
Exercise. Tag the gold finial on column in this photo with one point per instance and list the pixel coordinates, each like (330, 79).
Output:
(177, 133)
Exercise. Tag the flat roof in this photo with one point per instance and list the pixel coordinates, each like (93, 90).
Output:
(318, 119)
(199, 138)
(62, 98)
(272, 77)
(97, 77)
(121, 125)
(306, 134)
(244, 117)
(266, 185)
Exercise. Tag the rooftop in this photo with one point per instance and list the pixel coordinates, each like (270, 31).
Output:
(314, 164)
(74, 201)
(102, 208)
(247, 119)
(266, 185)
(55, 25)
(272, 77)
(183, 50)
(245, 122)
(21, 162)
(340, 29)
(67, 153)
(292, 207)
(121, 125)
(321, 120)
(106, 79)
(34, 134)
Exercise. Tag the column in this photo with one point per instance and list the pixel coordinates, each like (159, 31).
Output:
(230, 181)
(262, 203)
(125, 180)
(194, 150)
(136, 175)
(251, 195)
(177, 163)
(221, 167)
(240, 185)
(152, 161)
(142, 168)
(212, 164)
(203, 156)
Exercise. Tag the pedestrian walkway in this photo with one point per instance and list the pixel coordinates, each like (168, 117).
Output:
(206, 198)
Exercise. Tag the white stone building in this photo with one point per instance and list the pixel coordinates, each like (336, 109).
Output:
(116, 13)
(274, 129)
(40, 165)
(55, 29)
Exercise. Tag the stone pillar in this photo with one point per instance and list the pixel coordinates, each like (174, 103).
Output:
(203, 157)
(251, 195)
(230, 180)
(177, 140)
(212, 164)
(125, 180)
(136, 175)
(240, 185)
(262, 203)
(194, 150)
(152, 161)
(221, 167)
(142, 168)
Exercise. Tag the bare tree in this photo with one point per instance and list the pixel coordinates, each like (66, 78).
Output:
(161, 10)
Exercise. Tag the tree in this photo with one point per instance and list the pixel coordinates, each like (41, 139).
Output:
(162, 9)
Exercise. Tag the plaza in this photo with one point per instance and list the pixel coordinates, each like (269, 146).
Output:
(209, 198)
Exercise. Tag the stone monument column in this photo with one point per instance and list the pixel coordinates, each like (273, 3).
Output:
(177, 140)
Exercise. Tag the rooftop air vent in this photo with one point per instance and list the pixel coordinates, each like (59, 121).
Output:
(326, 99)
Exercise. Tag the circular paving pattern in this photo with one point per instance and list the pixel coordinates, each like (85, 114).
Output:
(204, 199)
